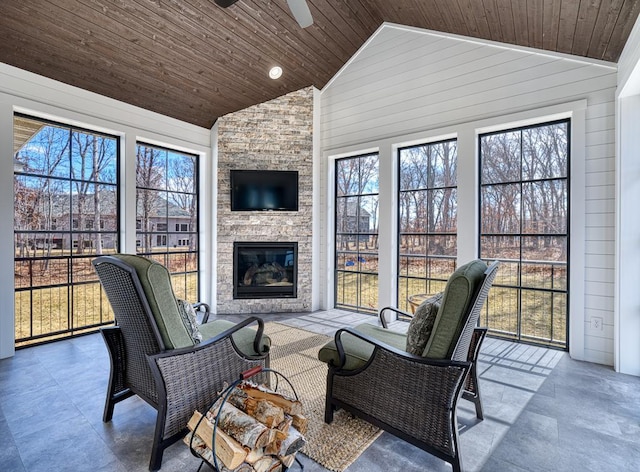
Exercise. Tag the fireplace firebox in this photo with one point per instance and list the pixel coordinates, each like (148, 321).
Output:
(265, 269)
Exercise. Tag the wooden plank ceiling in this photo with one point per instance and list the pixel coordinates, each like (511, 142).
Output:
(195, 61)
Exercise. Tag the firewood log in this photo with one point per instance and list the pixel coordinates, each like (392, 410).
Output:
(287, 461)
(248, 275)
(275, 440)
(286, 424)
(261, 409)
(267, 464)
(300, 423)
(201, 448)
(273, 447)
(240, 426)
(241, 468)
(228, 450)
(289, 405)
(253, 455)
(292, 443)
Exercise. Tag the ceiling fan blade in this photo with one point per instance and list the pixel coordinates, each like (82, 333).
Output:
(300, 11)
(225, 3)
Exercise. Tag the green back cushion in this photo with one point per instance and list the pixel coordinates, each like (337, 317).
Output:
(156, 283)
(450, 320)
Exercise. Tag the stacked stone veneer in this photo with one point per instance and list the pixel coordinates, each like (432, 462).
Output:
(276, 135)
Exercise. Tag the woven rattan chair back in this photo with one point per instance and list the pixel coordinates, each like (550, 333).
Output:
(462, 347)
(137, 324)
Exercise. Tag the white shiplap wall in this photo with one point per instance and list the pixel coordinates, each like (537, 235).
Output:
(627, 309)
(407, 84)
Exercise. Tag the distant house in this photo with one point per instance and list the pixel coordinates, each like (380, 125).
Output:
(165, 226)
(354, 222)
(353, 219)
(63, 227)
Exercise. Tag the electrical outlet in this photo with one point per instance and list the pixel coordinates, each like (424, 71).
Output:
(596, 323)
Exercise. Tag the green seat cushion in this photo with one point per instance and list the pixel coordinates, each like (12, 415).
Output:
(358, 351)
(450, 320)
(243, 338)
(156, 283)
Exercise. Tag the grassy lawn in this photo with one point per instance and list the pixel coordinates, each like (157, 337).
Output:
(543, 318)
(69, 309)
(46, 309)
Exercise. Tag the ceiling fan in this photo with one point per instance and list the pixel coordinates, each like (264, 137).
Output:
(299, 10)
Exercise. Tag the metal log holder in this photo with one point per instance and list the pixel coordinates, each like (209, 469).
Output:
(246, 375)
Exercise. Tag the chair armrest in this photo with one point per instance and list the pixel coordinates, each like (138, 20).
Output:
(225, 334)
(379, 345)
(204, 308)
(399, 314)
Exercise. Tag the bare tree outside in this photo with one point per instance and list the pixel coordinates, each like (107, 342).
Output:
(427, 209)
(182, 183)
(524, 223)
(65, 213)
(357, 210)
(167, 213)
(91, 162)
(150, 176)
(45, 154)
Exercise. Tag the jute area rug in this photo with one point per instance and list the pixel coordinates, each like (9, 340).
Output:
(294, 353)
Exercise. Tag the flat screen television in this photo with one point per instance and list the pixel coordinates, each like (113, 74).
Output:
(264, 190)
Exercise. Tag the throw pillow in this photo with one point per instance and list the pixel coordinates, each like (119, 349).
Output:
(421, 324)
(188, 316)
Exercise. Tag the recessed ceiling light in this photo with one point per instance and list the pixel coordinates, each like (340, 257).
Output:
(275, 72)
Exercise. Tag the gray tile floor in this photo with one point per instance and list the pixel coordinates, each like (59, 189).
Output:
(543, 412)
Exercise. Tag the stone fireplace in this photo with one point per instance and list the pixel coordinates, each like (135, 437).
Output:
(276, 135)
(265, 270)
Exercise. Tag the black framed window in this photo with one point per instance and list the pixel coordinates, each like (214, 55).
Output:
(65, 181)
(356, 226)
(427, 219)
(524, 222)
(167, 214)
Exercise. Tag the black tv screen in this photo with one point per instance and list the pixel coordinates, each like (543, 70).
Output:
(264, 190)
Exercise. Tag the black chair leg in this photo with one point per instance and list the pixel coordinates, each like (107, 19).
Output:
(472, 385)
(107, 415)
(473, 395)
(329, 407)
(157, 450)
(117, 390)
(477, 401)
(328, 411)
(156, 457)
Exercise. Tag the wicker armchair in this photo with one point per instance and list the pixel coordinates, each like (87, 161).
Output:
(414, 397)
(154, 356)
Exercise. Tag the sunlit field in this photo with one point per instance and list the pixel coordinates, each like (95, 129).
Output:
(43, 312)
(542, 298)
